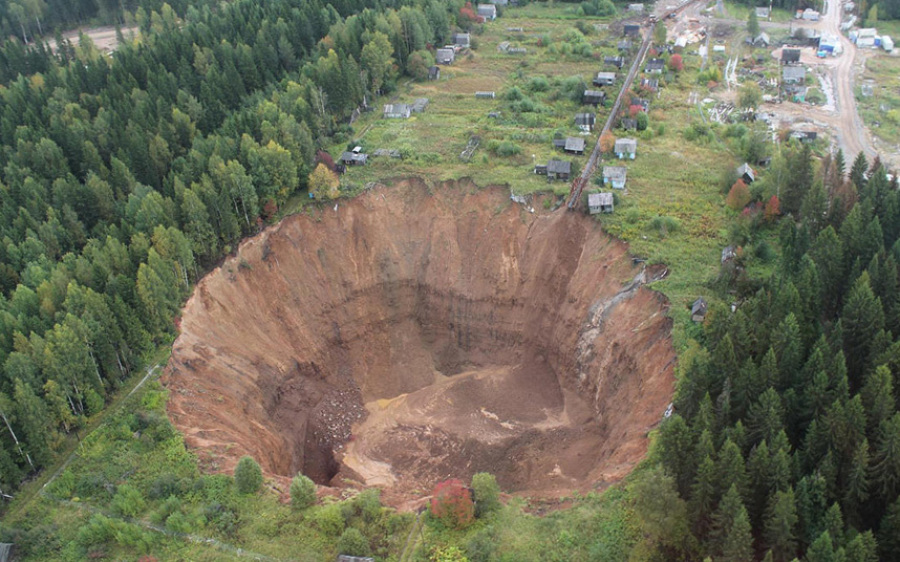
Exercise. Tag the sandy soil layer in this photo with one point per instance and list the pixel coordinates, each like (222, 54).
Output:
(412, 336)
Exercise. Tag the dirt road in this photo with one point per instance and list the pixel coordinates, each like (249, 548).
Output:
(104, 38)
(852, 136)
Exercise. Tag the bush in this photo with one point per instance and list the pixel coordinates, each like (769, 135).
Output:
(487, 493)
(451, 504)
(642, 121)
(663, 225)
(330, 520)
(303, 492)
(353, 543)
(538, 84)
(128, 501)
(247, 476)
(507, 148)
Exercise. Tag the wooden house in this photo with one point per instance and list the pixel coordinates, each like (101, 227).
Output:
(559, 170)
(790, 56)
(434, 73)
(631, 30)
(354, 158)
(616, 61)
(445, 56)
(594, 97)
(571, 145)
(655, 66)
(487, 11)
(605, 79)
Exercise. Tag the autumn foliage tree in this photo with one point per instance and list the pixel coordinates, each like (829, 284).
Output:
(607, 142)
(738, 196)
(773, 209)
(324, 183)
(676, 63)
(452, 505)
(467, 13)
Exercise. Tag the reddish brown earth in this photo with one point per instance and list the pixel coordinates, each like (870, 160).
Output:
(412, 336)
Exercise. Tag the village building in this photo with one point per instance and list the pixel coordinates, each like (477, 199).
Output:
(790, 56)
(629, 124)
(650, 84)
(761, 40)
(636, 8)
(460, 40)
(605, 79)
(804, 136)
(617, 61)
(793, 74)
(558, 170)
(866, 37)
(397, 111)
(698, 310)
(572, 145)
(762, 13)
(434, 72)
(354, 158)
(585, 121)
(487, 11)
(419, 105)
(643, 103)
(810, 15)
(728, 254)
(499, 2)
(631, 30)
(445, 56)
(655, 66)
(626, 148)
(624, 45)
(600, 203)
(348, 558)
(615, 176)
(746, 173)
(593, 97)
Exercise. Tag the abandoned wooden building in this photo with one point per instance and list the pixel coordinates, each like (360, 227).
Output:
(655, 66)
(434, 72)
(558, 169)
(571, 145)
(698, 310)
(626, 148)
(790, 56)
(600, 203)
(594, 97)
(354, 158)
(460, 40)
(605, 79)
(397, 111)
(746, 173)
(585, 121)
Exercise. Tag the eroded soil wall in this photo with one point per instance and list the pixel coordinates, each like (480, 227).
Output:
(448, 330)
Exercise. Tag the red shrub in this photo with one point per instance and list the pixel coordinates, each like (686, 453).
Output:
(325, 158)
(773, 208)
(468, 13)
(634, 110)
(738, 196)
(451, 503)
(676, 63)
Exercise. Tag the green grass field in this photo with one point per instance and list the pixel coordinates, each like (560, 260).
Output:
(881, 111)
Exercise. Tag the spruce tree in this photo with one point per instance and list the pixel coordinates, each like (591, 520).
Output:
(730, 535)
(780, 526)
(886, 461)
(247, 476)
(858, 171)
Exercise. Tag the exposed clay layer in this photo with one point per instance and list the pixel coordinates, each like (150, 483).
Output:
(447, 332)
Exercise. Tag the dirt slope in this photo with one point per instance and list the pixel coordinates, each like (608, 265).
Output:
(447, 333)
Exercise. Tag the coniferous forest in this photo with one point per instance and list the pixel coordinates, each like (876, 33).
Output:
(124, 178)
